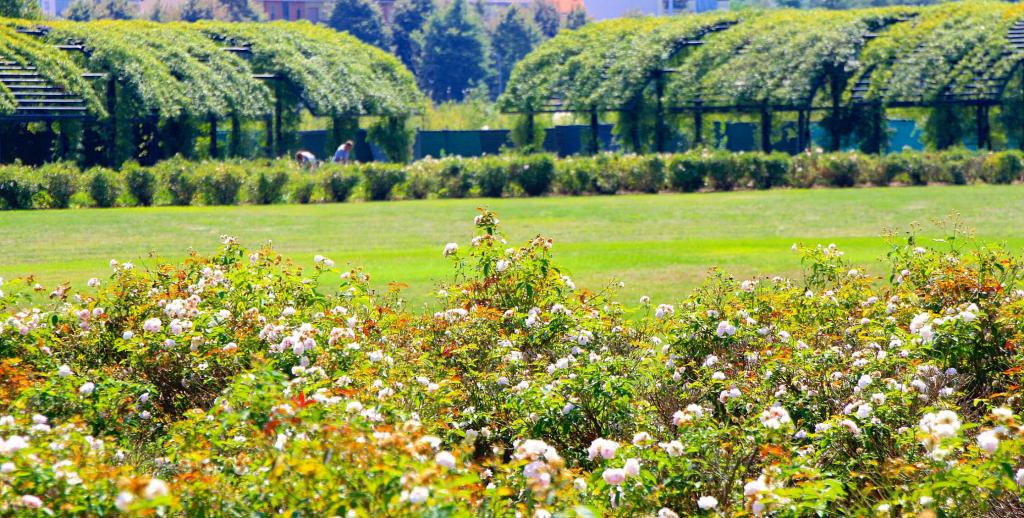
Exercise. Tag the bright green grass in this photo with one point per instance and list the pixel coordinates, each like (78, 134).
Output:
(660, 245)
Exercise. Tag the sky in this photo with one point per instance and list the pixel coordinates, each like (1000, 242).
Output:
(602, 9)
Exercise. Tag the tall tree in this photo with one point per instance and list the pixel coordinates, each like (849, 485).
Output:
(514, 37)
(25, 9)
(547, 17)
(195, 10)
(407, 24)
(79, 11)
(242, 11)
(577, 18)
(454, 53)
(362, 19)
(84, 10)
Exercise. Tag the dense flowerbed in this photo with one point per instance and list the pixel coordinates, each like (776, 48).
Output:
(181, 182)
(237, 383)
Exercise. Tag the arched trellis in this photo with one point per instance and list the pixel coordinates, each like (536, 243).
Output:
(208, 71)
(859, 39)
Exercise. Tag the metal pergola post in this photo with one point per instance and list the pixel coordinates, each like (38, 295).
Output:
(766, 130)
(112, 114)
(659, 124)
(984, 139)
(213, 136)
(595, 129)
(698, 125)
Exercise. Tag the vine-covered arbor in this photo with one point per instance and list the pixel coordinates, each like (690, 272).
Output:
(953, 63)
(109, 91)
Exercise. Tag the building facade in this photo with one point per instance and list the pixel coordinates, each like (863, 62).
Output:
(312, 10)
(605, 9)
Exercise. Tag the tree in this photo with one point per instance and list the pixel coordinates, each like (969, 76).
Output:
(79, 11)
(454, 53)
(85, 10)
(25, 9)
(514, 38)
(362, 19)
(242, 10)
(407, 25)
(577, 18)
(547, 18)
(195, 10)
(158, 14)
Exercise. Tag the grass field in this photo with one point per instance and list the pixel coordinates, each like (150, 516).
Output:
(660, 245)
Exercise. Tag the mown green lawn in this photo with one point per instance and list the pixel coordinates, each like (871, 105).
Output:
(659, 245)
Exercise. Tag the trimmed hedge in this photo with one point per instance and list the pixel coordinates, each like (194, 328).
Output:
(180, 182)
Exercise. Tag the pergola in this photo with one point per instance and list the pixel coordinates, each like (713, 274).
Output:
(770, 62)
(146, 73)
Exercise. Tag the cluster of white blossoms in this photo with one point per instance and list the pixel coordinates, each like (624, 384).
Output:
(543, 462)
(937, 427)
(775, 417)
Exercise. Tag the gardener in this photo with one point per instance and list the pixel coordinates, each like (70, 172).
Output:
(306, 159)
(344, 153)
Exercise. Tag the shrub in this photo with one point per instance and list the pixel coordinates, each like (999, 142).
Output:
(1003, 167)
(180, 178)
(61, 181)
(534, 173)
(905, 167)
(302, 190)
(686, 172)
(104, 186)
(421, 179)
(17, 188)
(492, 175)
(839, 169)
(381, 180)
(339, 182)
(220, 182)
(643, 173)
(454, 180)
(267, 183)
(575, 175)
(723, 171)
(141, 183)
(238, 383)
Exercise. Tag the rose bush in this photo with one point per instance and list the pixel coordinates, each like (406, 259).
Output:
(239, 383)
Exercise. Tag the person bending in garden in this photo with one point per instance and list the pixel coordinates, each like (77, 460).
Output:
(306, 159)
(344, 153)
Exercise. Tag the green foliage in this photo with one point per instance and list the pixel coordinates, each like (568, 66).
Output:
(242, 10)
(1003, 167)
(267, 184)
(455, 53)
(181, 180)
(546, 17)
(381, 180)
(408, 20)
(17, 187)
(362, 19)
(239, 383)
(61, 182)
(686, 172)
(104, 186)
(220, 183)
(577, 18)
(534, 173)
(141, 183)
(512, 39)
(23, 9)
(395, 137)
(338, 182)
(177, 181)
(195, 10)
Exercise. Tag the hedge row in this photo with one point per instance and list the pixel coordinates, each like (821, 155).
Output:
(180, 182)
